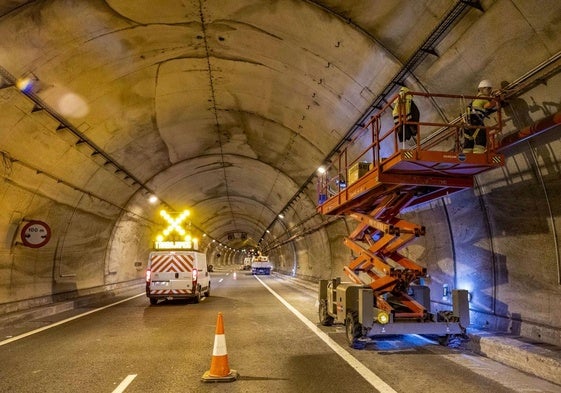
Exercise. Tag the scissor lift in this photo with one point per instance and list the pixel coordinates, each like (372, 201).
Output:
(385, 295)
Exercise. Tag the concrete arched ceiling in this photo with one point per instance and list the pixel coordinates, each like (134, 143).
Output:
(227, 107)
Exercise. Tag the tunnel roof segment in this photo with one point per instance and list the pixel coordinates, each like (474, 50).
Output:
(234, 101)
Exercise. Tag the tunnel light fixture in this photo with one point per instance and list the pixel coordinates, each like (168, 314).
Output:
(281, 216)
(322, 170)
(153, 199)
(27, 84)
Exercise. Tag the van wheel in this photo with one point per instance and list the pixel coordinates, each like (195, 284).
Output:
(198, 296)
(153, 301)
(207, 293)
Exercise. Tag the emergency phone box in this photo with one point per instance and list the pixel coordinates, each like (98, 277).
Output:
(357, 170)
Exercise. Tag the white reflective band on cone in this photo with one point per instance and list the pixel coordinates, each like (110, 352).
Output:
(219, 345)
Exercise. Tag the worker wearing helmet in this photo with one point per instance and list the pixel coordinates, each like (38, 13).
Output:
(475, 139)
(405, 110)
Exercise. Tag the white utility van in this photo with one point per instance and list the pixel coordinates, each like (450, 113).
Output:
(177, 275)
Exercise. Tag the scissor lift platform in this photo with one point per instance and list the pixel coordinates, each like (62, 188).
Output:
(379, 300)
(426, 174)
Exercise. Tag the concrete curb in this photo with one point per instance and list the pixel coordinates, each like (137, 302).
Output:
(541, 360)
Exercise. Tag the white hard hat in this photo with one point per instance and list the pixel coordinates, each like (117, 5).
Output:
(485, 83)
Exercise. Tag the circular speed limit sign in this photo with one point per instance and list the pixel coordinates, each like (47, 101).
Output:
(35, 234)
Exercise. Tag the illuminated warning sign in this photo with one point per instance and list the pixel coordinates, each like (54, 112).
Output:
(167, 240)
(174, 223)
(186, 245)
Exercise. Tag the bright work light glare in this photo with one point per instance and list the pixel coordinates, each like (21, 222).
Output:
(383, 317)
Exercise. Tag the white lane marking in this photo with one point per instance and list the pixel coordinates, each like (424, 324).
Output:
(32, 332)
(362, 370)
(123, 385)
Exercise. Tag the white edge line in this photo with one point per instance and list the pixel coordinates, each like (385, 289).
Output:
(123, 385)
(32, 332)
(363, 371)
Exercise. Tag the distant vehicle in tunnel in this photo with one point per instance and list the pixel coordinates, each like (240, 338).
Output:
(261, 265)
(247, 263)
(177, 275)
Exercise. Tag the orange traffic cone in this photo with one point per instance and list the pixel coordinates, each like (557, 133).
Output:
(219, 369)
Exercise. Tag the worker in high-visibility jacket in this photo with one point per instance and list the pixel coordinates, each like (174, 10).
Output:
(475, 137)
(406, 110)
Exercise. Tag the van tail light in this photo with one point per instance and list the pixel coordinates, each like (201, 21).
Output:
(148, 275)
(195, 276)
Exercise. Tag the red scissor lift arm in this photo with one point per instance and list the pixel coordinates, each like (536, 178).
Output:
(408, 176)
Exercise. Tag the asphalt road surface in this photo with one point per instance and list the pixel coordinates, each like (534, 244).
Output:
(273, 340)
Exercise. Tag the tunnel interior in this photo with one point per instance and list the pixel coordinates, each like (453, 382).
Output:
(228, 110)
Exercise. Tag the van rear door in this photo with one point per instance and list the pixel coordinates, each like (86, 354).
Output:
(171, 274)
